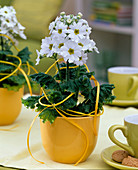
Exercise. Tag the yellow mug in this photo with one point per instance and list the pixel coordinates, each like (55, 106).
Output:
(130, 131)
(125, 80)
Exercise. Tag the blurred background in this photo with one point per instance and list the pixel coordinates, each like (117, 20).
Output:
(114, 29)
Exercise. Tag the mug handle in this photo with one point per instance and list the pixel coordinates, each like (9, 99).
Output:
(111, 131)
(134, 84)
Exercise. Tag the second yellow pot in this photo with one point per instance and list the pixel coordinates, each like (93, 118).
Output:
(10, 105)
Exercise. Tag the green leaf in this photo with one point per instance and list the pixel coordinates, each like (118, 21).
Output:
(4, 68)
(5, 52)
(12, 88)
(54, 96)
(72, 71)
(31, 101)
(48, 115)
(24, 55)
(70, 103)
(70, 86)
(16, 80)
(45, 81)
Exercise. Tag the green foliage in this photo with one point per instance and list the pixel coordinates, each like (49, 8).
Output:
(48, 115)
(16, 81)
(46, 81)
(24, 55)
(78, 81)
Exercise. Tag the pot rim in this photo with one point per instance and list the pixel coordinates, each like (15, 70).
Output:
(81, 117)
(2, 88)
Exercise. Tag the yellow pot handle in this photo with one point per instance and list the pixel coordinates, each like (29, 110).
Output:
(111, 131)
(134, 80)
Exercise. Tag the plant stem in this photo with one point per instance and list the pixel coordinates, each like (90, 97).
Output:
(59, 71)
(67, 71)
(2, 43)
(78, 72)
(55, 57)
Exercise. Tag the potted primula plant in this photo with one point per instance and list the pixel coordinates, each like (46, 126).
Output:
(12, 75)
(70, 106)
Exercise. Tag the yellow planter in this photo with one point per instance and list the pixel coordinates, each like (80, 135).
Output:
(10, 105)
(64, 142)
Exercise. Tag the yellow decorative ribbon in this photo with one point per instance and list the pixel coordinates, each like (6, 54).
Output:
(17, 67)
(60, 111)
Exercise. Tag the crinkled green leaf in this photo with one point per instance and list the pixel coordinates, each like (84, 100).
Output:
(5, 52)
(12, 88)
(4, 68)
(24, 55)
(45, 81)
(31, 101)
(48, 115)
(70, 86)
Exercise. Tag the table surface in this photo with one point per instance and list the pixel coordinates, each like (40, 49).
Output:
(14, 153)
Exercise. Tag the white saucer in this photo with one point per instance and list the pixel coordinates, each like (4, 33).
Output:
(125, 103)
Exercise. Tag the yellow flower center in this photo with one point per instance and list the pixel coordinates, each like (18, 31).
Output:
(71, 51)
(5, 12)
(7, 20)
(80, 58)
(60, 45)
(80, 44)
(59, 31)
(50, 46)
(76, 31)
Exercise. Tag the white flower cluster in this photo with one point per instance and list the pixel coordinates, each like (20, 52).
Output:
(9, 24)
(69, 38)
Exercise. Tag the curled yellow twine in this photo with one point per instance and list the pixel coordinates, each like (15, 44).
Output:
(60, 111)
(17, 67)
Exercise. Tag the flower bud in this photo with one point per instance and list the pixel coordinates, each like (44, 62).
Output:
(80, 14)
(69, 20)
(62, 13)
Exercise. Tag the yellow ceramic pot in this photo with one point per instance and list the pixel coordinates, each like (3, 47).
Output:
(64, 142)
(10, 105)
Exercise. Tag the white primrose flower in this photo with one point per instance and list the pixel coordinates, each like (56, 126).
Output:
(20, 26)
(83, 22)
(51, 27)
(77, 31)
(82, 60)
(60, 30)
(85, 44)
(3, 30)
(7, 12)
(38, 58)
(71, 51)
(69, 38)
(9, 24)
(19, 30)
(47, 47)
(93, 46)
(59, 42)
(88, 44)
(22, 35)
